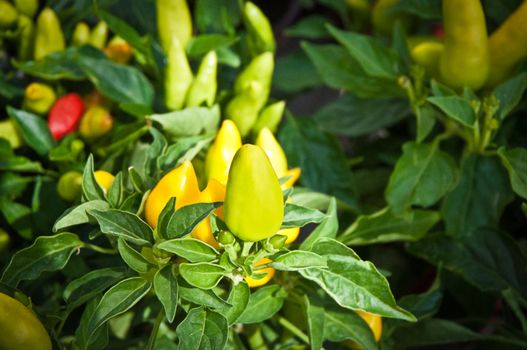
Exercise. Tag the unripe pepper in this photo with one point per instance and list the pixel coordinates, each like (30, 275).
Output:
(205, 84)
(259, 70)
(260, 31)
(268, 271)
(96, 122)
(173, 21)
(81, 34)
(69, 186)
(465, 59)
(118, 50)
(9, 132)
(21, 329)
(243, 108)
(26, 37)
(65, 115)
(39, 98)
(104, 179)
(178, 76)
(427, 54)
(8, 15)
(384, 18)
(27, 7)
(270, 117)
(220, 154)
(5, 240)
(49, 36)
(99, 35)
(508, 46)
(254, 205)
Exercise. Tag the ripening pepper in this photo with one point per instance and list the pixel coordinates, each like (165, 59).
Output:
(465, 58)
(26, 38)
(173, 21)
(8, 15)
(69, 186)
(27, 7)
(21, 329)
(9, 132)
(49, 36)
(268, 271)
(508, 46)
(104, 179)
(276, 155)
(96, 122)
(254, 205)
(243, 108)
(269, 117)
(81, 34)
(427, 54)
(205, 84)
(99, 35)
(178, 76)
(220, 154)
(259, 70)
(39, 97)
(261, 38)
(119, 50)
(65, 115)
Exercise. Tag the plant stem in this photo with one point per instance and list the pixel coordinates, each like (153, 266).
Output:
(246, 248)
(110, 251)
(153, 334)
(293, 329)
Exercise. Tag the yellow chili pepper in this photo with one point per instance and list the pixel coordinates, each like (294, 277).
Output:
(39, 98)
(214, 192)
(104, 179)
(374, 321)
(268, 271)
(49, 36)
(222, 151)
(119, 50)
(96, 122)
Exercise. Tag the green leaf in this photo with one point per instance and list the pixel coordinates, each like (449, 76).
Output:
(316, 319)
(166, 288)
(298, 216)
(47, 253)
(190, 249)
(183, 220)
(488, 259)
(374, 58)
(384, 226)
(324, 165)
(117, 300)
(426, 120)
(310, 27)
(340, 70)
(422, 176)
(164, 218)
(90, 187)
(340, 325)
(56, 66)
(297, 260)
(515, 161)
(110, 78)
(86, 287)
(479, 198)
(456, 108)
(294, 73)
(123, 224)
(202, 275)
(239, 299)
(353, 116)
(263, 304)
(509, 94)
(426, 304)
(97, 340)
(34, 130)
(192, 121)
(353, 283)
(132, 257)
(204, 297)
(116, 192)
(424, 9)
(78, 215)
(327, 228)
(201, 44)
(202, 329)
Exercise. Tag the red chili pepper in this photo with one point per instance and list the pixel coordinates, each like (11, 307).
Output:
(65, 115)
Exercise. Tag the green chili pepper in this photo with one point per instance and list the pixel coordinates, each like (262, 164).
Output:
(8, 15)
(261, 38)
(81, 34)
(173, 20)
(204, 85)
(49, 36)
(27, 7)
(243, 108)
(178, 76)
(26, 38)
(99, 35)
(270, 117)
(259, 70)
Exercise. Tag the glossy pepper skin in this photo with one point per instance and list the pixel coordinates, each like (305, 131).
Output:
(104, 179)
(465, 58)
(119, 50)
(9, 132)
(21, 329)
(65, 115)
(269, 117)
(243, 108)
(173, 21)
(427, 55)
(39, 97)
(374, 321)
(8, 15)
(81, 34)
(220, 154)
(96, 122)
(204, 86)
(254, 205)
(178, 76)
(268, 271)
(508, 46)
(49, 36)
(259, 70)
(260, 31)
(69, 186)
(99, 35)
